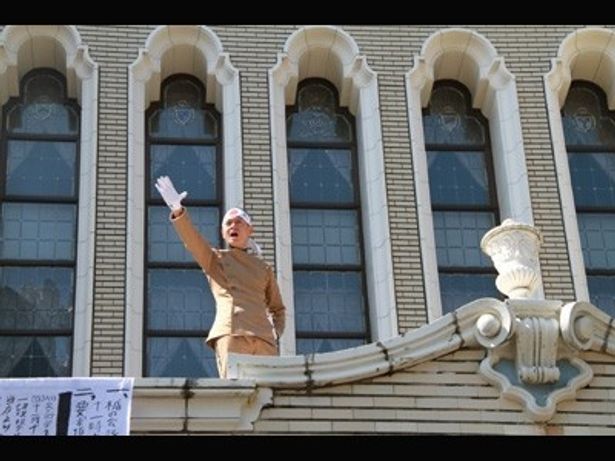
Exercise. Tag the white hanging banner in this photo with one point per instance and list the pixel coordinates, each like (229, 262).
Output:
(65, 406)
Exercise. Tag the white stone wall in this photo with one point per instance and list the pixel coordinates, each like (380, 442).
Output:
(442, 394)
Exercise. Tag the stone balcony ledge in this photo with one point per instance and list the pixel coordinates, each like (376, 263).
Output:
(180, 405)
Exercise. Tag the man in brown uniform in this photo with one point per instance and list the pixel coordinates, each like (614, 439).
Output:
(250, 313)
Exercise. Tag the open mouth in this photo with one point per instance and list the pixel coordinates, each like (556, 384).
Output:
(234, 234)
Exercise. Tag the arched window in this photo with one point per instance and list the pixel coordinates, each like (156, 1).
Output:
(589, 131)
(327, 241)
(39, 199)
(183, 142)
(463, 195)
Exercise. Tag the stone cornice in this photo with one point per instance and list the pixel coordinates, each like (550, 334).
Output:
(538, 373)
(165, 405)
(445, 335)
(203, 405)
(532, 345)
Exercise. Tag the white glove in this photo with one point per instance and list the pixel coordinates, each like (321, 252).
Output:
(169, 194)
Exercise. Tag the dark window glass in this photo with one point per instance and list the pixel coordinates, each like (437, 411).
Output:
(326, 237)
(180, 356)
(589, 130)
(320, 346)
(36, 298)
(183, 142)
(164, 245)
(321, 176)
(179, 300)
(183, 114)
(43, 108)
(38, 231)
(601, 292)
(594, 178)
(463, 195)
(597, 232)
(458, 178)
(585, 118)
(327, 244)
(329, 301)
(192, 165)
(38, 168)
(450, 120)
(459, 288)
(38, 223)
(26, 356)
(458, 235)
(316, 118)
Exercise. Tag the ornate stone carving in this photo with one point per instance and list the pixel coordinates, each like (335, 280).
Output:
(495, 325)
(513, 247)
(488, 325)
(578, 324)
(537, 328)
(538, 366)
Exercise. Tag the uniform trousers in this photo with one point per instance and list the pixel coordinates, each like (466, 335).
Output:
(241, 345)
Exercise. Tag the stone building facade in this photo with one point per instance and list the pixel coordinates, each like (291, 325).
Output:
(425, 367)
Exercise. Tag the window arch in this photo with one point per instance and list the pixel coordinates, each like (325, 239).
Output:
(39, 189)
(329, 53)
(183, 142)
(203, 57)
(463, 193)
(325, 208)
(585, 54)
(467, 57)
(589, 133)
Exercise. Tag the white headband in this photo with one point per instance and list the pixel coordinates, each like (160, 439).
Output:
(237, 212)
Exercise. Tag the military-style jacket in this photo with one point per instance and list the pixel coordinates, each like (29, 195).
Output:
(243, 285)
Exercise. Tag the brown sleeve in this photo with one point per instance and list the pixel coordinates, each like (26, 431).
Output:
(194, 242)
(275, 303)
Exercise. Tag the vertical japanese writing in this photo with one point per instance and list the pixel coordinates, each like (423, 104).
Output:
(21, 409)
(67, 407)
(7, 412)
(49, 417)
(114, 407)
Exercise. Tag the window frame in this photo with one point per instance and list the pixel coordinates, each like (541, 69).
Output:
(600, 95)
(486, 149)
(7, 137)
(355, 206)
(156, 200)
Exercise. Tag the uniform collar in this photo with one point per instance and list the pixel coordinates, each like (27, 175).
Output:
(245, 250)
